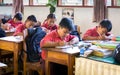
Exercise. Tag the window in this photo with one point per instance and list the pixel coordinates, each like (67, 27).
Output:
(40, 2)
(84, 3)
(108, 2)
(25, 2)
(89, 2)
(116, 2)
(7, 2)
(70, 2)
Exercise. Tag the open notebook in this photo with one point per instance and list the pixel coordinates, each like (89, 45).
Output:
(66, 46)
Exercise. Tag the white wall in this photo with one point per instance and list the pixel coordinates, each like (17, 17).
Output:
(82, 16)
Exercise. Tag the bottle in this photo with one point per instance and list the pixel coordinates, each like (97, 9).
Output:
(82, 50)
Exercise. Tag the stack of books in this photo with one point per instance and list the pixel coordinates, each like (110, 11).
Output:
(101, 52)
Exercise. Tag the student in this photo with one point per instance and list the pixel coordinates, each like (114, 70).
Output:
(30, 22)
(100, 32)
(49, 23)
(60, 36)
(13, 23)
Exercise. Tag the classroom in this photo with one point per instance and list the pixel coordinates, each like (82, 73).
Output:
(59, 37)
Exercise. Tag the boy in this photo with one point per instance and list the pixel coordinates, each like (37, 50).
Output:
(100, 32)
(60, 36)
(13, 23)
(30, 22)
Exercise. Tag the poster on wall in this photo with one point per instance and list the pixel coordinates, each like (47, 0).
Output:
(68, 12)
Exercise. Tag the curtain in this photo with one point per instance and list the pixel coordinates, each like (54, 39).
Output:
(18, 6)
(100, 10)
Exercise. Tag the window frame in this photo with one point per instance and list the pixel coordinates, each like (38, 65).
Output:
(60, 5)
(30, 4)
(84, 5)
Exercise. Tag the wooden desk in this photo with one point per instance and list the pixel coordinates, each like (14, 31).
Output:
(85, 66)
(61, 56)
(9, 33)
(13, 44)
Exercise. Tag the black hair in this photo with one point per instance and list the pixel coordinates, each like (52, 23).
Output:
(67, 23)
(106, 24)
(18, 16)
(32, 18)
(51, 16)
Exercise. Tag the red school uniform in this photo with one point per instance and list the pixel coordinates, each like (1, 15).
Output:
(93, 32)
(13, 24)
(56, 38)
(53, 27)
(19, 29)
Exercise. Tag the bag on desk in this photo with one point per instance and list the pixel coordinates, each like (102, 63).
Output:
(116, 53)
(33, 39)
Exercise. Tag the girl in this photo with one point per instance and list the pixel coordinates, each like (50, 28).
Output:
(49, 24)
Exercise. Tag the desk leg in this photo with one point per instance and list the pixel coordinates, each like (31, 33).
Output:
(15, 62)
(71, 63)
(47, 67)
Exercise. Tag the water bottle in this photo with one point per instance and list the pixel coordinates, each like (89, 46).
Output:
(82, 50)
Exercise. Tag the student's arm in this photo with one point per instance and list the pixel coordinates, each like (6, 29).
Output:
(71, 39)
(53, 44)
(74, 40)
(18, 30)
(93, 38)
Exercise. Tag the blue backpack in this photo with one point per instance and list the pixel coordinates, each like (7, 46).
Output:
(33, 39)
(2, 33)
(75, 33)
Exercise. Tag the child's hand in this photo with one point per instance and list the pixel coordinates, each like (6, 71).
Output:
(73, 41)
(62, 43)
(101, 37)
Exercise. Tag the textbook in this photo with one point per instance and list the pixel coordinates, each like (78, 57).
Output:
(101, 52)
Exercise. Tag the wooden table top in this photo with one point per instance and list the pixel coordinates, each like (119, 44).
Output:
(70, 50)
(15, 39)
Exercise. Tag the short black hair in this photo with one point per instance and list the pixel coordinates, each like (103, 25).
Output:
(32, 18)
(51, 16)
(67, 23)
(106, 24)
(18, 16)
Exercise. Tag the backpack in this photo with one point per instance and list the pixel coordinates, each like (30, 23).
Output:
(116, 54)
(33, 39)
(2, 33)
(75, 32)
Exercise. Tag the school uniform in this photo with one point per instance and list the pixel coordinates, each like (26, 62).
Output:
(19, 29)
(13, 24)
(53, 37)
(93, 32)
(53, 27)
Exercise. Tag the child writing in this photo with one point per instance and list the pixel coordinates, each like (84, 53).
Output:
(100, 32)
(49, 23)
(13, 23)
(60, 36)
(30, 22)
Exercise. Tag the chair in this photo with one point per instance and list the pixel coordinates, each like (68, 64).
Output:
(78, 29)
(6, 57)
(30, 66)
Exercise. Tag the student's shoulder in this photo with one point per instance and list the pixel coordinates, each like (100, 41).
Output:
(92, 29)
(54, 33)
(20, 26)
